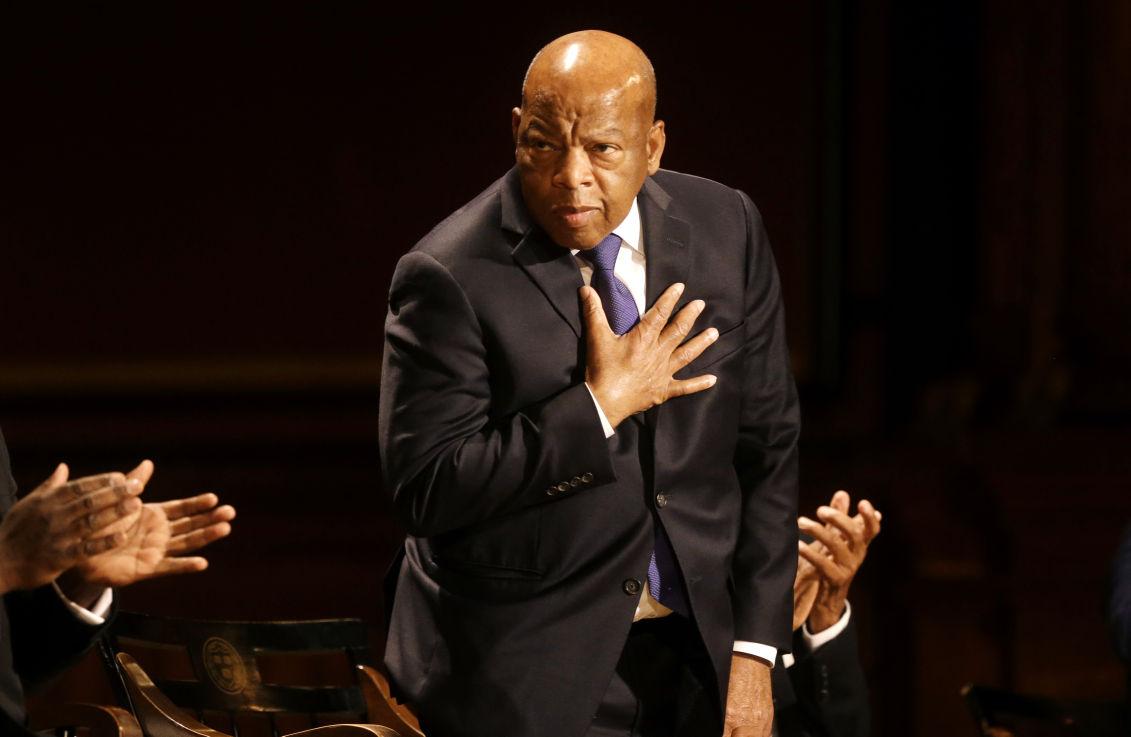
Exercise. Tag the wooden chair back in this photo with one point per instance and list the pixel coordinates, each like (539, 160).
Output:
(269, 678)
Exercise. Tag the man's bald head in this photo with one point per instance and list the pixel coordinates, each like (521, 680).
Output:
(586, 136)
(598, 58)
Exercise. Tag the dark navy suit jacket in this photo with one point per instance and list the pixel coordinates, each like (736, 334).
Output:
(529, 531)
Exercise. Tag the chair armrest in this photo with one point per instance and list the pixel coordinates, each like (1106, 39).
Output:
(348, 730)
(103, 721)
(381, 705)
(157, 715)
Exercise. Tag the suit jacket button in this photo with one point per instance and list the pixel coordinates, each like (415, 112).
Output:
(631, 587)
(563, 486)
(586, 478)
(661, 500)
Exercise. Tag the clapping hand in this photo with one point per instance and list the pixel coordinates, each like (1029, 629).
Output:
(63, 523)
(828, 564)
(156, 544)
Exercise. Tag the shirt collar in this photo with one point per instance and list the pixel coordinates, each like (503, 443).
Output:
(629, 231)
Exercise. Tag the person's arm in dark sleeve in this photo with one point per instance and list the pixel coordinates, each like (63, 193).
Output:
(765, 559)
(829, 686)
(447, 461)
(46, 635)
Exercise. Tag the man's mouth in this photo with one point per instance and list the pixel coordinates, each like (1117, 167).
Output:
(575, 216)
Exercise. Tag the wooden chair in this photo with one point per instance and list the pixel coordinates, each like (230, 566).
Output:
(91, 720)
(218, 678)
(1000, 713)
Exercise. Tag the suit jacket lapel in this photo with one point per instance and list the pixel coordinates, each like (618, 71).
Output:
(665, 242)
(667, 259)
(549, 265)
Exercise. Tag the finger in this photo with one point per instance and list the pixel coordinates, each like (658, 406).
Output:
(95, 523)
(692, 349)
(142, 473)
(76, 488)
(57, 478)
(197, 539)
(841, 501)
(226, 513)
(657, 316)
(98, 500)
(822, 564)
(593, 313)
(98, 545)
(178, 508)
(681, 387)
(679, 327)
(871, 517)
(852, 529)
(174, 566)
(833, 541)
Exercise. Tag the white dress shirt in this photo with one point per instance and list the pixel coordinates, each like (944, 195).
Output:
(630, 269)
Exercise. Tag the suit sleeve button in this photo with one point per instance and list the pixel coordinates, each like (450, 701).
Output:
(661, 500)
(586, 478)
(576, 480)
(631, 586)
(552, 491)
(563, 486)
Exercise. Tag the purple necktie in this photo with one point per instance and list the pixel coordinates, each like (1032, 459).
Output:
(620, 309)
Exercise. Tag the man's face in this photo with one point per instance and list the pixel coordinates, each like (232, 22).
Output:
(583, 155)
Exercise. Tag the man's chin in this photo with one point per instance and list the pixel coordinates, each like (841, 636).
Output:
(582, 240)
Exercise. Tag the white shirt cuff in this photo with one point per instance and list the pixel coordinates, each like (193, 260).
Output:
(96, 615)
(758, 650)
(812, 642)
(608, 428)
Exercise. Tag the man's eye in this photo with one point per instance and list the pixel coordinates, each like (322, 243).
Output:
(540, 145)
(604, 148)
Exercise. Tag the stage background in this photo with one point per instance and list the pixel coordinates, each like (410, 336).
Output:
(202, 207)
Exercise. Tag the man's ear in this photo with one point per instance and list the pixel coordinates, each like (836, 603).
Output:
(656, 140)
(516, 118)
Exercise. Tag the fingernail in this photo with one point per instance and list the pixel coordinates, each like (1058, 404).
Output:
(699, 304)
(712, 379)
(803, 520)
(824, 511)
(679, 288)
(712, 334)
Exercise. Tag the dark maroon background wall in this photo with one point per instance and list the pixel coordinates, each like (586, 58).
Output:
(201, 208)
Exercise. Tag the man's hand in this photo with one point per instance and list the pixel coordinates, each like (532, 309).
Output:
(62, 523)
(838, 548)
(633, 372)
(750, 703)
(163, 533)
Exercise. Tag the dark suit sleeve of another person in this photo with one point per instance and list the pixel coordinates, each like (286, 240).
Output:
(1120, 605)
(830, 690)
(765, 559)
(449, 462)
(39, 636)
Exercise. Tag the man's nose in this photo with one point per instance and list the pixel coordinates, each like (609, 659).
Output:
(575, 170)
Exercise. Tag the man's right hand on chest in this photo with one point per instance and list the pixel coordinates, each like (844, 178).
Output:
(633, 372)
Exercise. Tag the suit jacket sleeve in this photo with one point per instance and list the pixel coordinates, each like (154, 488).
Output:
(448, 460)
(39, 636)
(765, 559)
(831, 692)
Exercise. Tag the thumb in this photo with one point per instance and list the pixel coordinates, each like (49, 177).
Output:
(593, 312)
(142, 473)
(57, 478)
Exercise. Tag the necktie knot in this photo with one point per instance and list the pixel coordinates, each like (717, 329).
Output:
(603, 256)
